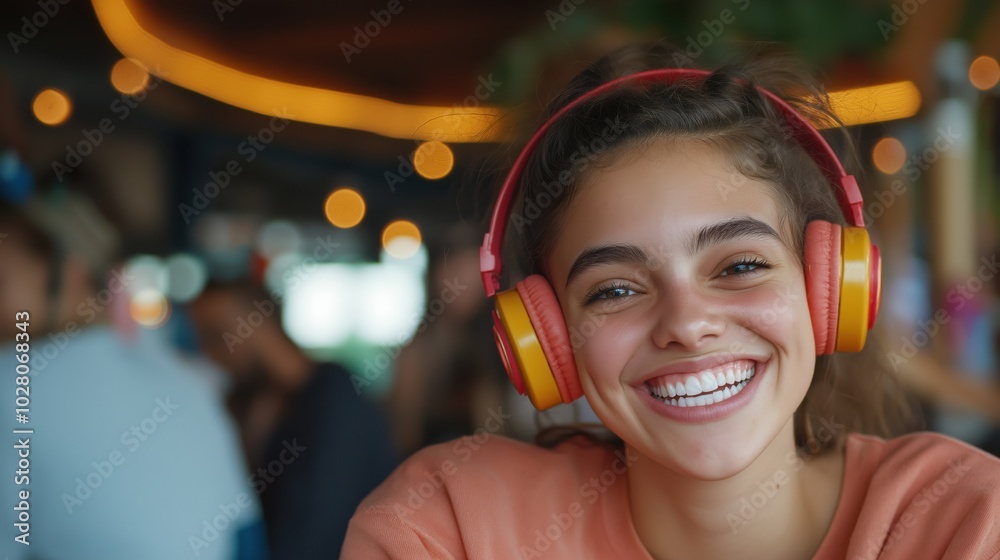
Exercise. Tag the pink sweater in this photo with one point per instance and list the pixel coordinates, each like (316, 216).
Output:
(914, 497)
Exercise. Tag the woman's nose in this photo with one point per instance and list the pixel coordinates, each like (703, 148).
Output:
(686, 319)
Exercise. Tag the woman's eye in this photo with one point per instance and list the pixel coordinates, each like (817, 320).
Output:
(612, 292)
(745, 266)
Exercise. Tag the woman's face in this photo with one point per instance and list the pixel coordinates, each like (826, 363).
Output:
(677, 278)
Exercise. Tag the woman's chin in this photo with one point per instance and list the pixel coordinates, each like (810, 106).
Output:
(716, 458)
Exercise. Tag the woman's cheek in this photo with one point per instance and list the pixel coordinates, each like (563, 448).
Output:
(779, 314)
(603, 345)
(600, 359)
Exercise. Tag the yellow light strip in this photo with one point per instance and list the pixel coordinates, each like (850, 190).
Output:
(301, 103)
(886, 102)
(396, 120)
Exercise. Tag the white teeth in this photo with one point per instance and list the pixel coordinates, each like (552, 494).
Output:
(692, 385)
(708, 382)
(704, 388)
(714, 387)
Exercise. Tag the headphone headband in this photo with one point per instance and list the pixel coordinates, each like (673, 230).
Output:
(848, 194)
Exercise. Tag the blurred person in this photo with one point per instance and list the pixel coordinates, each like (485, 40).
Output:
(314, 445)
(918, 339)
(447, 380)
(131, 454)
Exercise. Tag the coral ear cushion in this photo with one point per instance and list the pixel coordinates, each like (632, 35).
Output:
(550, 328)
(822, 273)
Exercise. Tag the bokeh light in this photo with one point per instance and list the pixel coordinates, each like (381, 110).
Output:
(433, 159)
(344, 208)
(401, 239)
(149, 308)
(145, 272)
(984, 72)
(52, 106)
(393, 296)
(186, 277)
(129, 76)
(889, 155)
(278, 238)
(320, 311)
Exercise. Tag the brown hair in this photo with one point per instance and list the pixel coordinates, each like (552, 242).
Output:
(725, 111)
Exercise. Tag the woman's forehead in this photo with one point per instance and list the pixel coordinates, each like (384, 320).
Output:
(664, 194)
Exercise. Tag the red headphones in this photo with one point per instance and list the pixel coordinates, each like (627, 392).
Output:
(842, 268)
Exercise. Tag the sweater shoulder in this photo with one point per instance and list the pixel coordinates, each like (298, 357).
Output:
(928, 493)
(487, 496)
(477, 467)
(922, 451)
(907, 463)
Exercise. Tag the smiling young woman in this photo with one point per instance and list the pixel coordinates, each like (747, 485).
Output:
(694, 273)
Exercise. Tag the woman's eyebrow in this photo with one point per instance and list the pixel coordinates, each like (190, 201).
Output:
(742, 227)
(606, 254)
(714, 234)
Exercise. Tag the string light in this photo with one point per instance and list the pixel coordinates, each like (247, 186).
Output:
(433, 159)
(401, 239)
(129, 76)
(889, 155)
(52, 106)
(984, 72)
(344, 208)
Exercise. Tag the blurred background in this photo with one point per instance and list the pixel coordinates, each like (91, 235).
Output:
(271, 212)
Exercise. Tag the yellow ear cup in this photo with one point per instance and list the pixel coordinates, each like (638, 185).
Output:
(852, 321)
(539, 382)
